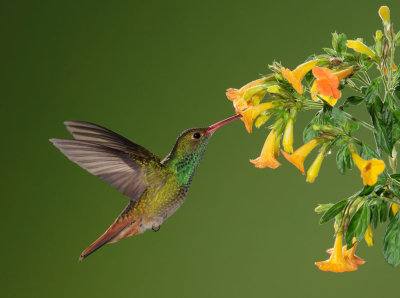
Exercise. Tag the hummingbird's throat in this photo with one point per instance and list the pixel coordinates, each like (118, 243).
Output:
(186, 165)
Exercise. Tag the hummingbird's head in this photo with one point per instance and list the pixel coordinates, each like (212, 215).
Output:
(192, 142)
(189, 149)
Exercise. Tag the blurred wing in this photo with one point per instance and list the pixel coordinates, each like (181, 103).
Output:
(89, 132)
(126, 166)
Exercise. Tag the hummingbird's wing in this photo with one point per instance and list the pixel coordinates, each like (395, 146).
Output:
(125, 165)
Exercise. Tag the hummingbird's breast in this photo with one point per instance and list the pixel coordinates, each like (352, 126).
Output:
(160, 201)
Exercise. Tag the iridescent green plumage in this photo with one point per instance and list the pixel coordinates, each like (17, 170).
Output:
(156, 188)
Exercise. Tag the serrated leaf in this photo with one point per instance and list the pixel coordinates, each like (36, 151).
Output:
(358, 225)
(391, 241)
(332, 212)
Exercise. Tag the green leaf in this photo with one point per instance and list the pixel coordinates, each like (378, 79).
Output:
(385, 117)
(358, 225)
(366, 190)
(343, 159)
(383, 211)
(354, 126)
(395, 177)
(372, 92)
(367, 66)
(309, 133)
(353, 100)
(391, 241)
(338, 116)
(329, 51)
(397, 91)
(341, 44)
(332, 212)
(374, 216)
(367, 152)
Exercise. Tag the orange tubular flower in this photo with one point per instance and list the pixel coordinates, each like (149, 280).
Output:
(326, 82)
(298, 157)
(329, 99)
(337, 262)
(296, 76)
(236, 95)
(269, 153)
(350, 255)
(370, 169)
(251, 113)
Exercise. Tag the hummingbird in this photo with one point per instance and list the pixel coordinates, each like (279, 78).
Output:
(156, 188)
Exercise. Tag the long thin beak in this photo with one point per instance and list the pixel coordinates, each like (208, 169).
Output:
(217, 125)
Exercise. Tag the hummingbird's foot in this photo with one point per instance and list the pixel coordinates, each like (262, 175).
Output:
(156, 228)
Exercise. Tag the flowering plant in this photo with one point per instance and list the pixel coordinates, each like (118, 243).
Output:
(318, 84)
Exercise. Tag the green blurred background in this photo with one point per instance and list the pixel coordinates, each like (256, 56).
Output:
(148, 70)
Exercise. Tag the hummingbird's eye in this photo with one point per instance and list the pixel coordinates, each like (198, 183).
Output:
(196, 135)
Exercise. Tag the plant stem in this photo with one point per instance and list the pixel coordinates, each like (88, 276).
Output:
(363, 123)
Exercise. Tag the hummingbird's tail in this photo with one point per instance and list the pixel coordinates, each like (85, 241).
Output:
(121, 228)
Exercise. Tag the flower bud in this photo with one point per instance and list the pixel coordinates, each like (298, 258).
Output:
(395, 208)
(384, 13)
(313, 171)
(287, 141)
(369, 236)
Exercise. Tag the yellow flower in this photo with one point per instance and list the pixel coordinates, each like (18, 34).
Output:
(384, 13)
(255, 94)
(298, 157)
(369, 236)
(350, 255)
(341, 74)
(251, 113)
(358, 46)
(287, 140)
(296, 76)
(236, 95)
(337, 262)
(269, 153)
(395, 208)
(370, 169)
(313, 171)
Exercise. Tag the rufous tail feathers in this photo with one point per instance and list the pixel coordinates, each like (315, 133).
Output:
(121, 228)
